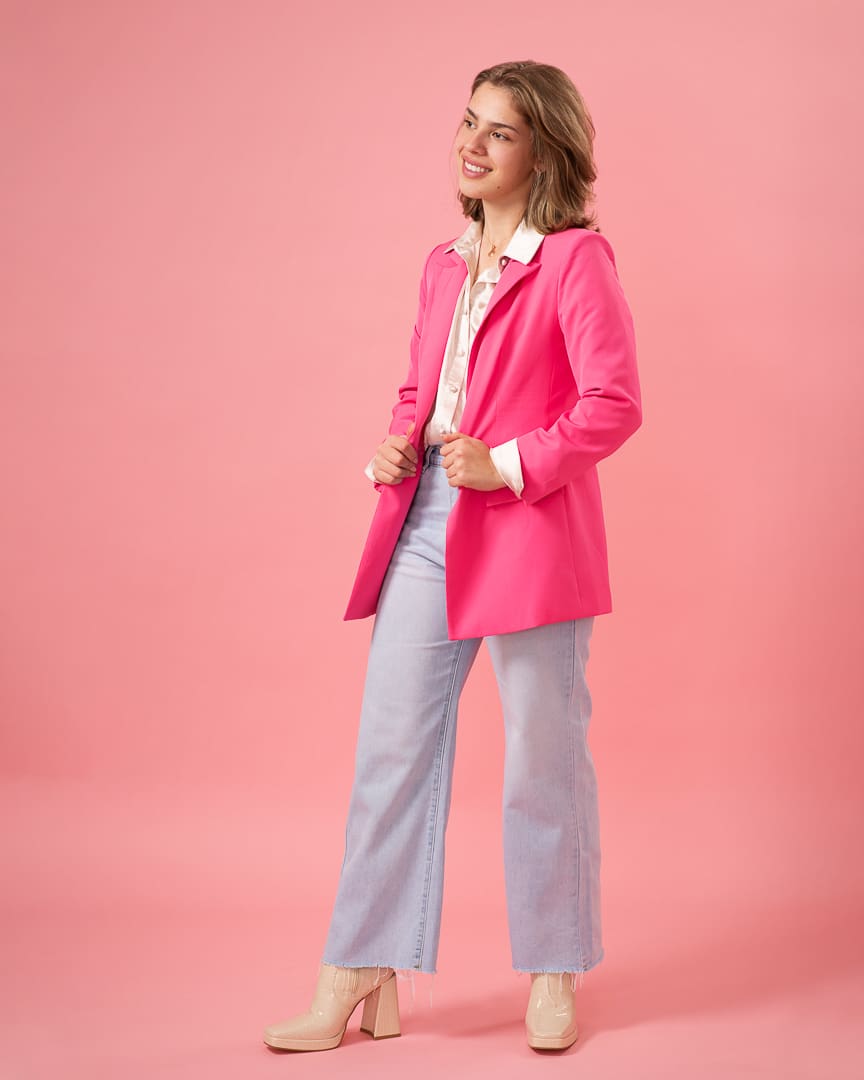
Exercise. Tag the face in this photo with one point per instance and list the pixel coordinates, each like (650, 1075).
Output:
(494, 159)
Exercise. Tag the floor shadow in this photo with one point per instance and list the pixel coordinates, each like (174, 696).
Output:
(747, 959)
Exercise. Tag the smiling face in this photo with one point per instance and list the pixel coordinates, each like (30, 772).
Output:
(494, 158)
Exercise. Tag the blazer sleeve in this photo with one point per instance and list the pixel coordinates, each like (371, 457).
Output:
(404, 410)
(599, 336)
(406, 404)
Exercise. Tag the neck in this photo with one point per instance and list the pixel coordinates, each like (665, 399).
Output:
(500, 222)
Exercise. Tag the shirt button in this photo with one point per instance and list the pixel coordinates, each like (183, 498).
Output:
(452, 388)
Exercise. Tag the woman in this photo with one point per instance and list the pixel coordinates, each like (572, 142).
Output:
(522, 377)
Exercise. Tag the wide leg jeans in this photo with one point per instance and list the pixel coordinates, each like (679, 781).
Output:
(389, 897)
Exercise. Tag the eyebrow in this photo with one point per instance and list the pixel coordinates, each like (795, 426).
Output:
(500, 123)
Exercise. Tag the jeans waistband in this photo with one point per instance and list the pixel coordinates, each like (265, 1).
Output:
(432, 455)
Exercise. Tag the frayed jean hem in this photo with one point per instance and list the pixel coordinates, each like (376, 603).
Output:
(401, 973)
(563, 970)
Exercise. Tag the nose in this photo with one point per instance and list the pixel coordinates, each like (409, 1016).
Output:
(474, 144)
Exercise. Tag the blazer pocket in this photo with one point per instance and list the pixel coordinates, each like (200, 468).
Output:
(501, 495)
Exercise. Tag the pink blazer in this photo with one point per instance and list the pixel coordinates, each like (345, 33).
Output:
(553, 364)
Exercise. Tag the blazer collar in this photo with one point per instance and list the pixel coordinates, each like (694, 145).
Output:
(522, 247)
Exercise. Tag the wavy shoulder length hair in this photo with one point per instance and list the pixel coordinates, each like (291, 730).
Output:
(562, 137)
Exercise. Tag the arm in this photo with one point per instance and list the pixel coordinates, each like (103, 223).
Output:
(406, 404)
(598, 333)
(402, 421)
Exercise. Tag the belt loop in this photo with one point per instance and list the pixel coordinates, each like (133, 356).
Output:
(432, 456)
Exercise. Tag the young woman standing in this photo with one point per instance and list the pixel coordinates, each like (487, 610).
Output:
(489, 525)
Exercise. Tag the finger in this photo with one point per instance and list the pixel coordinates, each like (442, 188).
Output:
(391, 470)
(396, 457)
(404, 448)
(409, 451)
(384, 478)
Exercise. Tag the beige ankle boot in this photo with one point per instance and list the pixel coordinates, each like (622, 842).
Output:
(338, 993)
(550, 1021)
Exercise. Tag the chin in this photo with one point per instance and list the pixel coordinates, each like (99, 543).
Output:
(474, 190)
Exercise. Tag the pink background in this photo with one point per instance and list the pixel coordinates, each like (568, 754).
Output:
(214, 220)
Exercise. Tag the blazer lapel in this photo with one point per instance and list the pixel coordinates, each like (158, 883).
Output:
(514, 274)
(436, 332)
(451, 277)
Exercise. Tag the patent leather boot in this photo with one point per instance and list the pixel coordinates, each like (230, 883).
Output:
(337, 994)
(550, 1018)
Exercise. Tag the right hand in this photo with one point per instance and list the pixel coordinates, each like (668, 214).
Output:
(395, 459)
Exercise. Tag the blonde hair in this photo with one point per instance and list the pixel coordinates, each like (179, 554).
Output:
(562, 137)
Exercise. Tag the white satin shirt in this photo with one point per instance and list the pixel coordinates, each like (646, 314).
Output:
(470, 308)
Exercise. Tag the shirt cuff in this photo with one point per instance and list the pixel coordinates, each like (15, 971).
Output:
(506, 460)
(371, 475)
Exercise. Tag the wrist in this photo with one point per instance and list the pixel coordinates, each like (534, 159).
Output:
(498, 479)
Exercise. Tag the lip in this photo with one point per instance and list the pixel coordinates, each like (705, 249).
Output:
(473, 175)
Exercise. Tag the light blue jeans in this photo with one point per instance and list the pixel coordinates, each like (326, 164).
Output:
(389, 897)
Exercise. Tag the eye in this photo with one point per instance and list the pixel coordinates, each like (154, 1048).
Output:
(470, 123)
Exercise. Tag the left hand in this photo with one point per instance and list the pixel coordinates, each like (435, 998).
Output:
(468, 463)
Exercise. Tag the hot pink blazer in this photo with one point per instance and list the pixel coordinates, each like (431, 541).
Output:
(552, 364)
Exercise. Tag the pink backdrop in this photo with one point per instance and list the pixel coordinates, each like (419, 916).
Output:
(214, 220)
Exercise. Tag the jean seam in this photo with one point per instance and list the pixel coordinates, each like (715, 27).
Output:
(436, 795)
(573, 796)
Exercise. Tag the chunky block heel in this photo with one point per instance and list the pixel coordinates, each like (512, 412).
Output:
(337, 994)
(381, 1011)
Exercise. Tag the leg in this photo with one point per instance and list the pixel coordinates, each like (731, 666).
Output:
(388, 903)
(550, 811)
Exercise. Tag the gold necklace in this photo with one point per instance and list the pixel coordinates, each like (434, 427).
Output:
(492, 249)
(494, 243)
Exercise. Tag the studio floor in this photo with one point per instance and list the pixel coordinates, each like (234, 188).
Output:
(163, 972)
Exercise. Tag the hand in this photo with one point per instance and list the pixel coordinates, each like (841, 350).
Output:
(468, 463)
(395, 459)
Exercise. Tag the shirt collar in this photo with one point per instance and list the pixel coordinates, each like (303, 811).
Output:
(522, 247)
